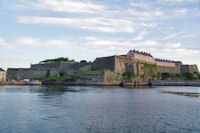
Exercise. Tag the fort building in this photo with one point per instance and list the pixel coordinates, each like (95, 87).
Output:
(114, 67)
(2, 75)
(136, 62)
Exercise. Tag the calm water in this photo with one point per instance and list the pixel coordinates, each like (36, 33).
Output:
(94, 109)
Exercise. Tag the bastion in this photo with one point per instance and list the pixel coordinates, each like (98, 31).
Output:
(114, 67)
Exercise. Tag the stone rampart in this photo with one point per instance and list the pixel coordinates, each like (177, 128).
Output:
(66, 65)
(144, 58)
(110, 76)
(26, 73)
(54, 65)
(78, 65)
(124, 64)
(104, 63)
(141, 57)
(189, 68)
(165, 64)
(166, 69)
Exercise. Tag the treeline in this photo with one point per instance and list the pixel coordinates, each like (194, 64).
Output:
(57, 60)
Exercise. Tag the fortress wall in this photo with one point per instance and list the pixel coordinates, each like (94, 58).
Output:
(66, 65)
(165, 69)
(92, 78)
(193, 68)
(110, 76)
(12, 73)
(76, 66)
(25, 73)
(55, 65)
(125, 64)
(104, 63)
(144, 58)
(189, 68)
(2, 75)
(165, 64)
(178, 66)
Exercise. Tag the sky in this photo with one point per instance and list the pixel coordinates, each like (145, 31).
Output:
(34, 30)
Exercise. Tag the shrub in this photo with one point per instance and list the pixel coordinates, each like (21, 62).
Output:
(128, 75)
(198, 75)
(159, 76)
(188, 76)
(57, 60)
(94, 72)
(48, 73)
(165, 76)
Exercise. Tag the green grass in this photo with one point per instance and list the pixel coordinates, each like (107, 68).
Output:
(82, 69)
(179, 76)
(61, 78)
(94, 72)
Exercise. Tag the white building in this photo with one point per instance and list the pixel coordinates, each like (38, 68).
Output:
(2, 75)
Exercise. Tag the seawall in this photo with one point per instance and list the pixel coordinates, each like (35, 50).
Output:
(138, 83)
(175, 83)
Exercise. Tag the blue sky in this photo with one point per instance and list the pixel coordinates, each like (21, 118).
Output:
(33, 30)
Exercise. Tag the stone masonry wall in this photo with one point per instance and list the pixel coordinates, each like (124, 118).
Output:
(193, 68)
(2, 75)
(25, 73)
(165, 64)
(104, 63)
(110, 76)
(166, 69)
(124, 64)
(144, 59)
(55, 65)
(127, 64)
(189, 68)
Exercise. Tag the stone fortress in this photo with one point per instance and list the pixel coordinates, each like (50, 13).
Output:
(113, 67)
(135, 61)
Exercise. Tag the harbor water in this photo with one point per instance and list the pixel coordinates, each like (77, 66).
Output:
(99, 109)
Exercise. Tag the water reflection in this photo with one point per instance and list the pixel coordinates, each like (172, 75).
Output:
(2, 89)
(89, 109)
(190, 94)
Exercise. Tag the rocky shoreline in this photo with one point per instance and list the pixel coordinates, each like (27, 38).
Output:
(138, 83)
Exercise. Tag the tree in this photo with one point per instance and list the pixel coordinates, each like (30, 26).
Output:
(57, 60)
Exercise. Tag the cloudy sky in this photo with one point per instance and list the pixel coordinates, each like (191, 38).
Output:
(33, 30)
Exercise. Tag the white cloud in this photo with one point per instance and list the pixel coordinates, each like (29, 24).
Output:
(94, 43)
(92, 24)
(180, 12)
(140, 5)
(34, 42)
(72, 6)
(148, 15)
(180, 1)
(92, 47)
(28, 41)
(141, 35)
(190, 52)
(170, 46)
(4, 44)
(86, 15)
(172, 36)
